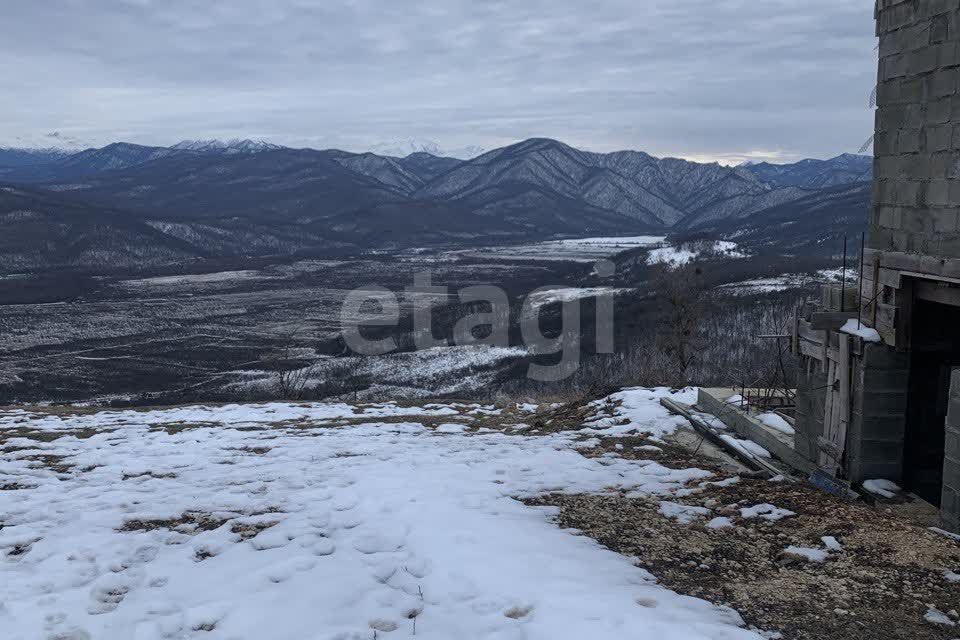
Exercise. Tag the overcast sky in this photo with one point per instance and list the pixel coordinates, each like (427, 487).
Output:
(702, 79)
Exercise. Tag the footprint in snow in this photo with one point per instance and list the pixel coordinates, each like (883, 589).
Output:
(380, 542)
(386, 626)
(107, 594)
(345, 502)
(418, 567)
(283, 571)
(72, 634)
(324, 547)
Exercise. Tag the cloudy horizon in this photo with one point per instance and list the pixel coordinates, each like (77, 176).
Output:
(710, 80)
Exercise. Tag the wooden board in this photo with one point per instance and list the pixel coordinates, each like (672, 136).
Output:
(836, 412)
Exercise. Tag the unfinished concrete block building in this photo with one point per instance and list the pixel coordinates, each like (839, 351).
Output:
(882, 405)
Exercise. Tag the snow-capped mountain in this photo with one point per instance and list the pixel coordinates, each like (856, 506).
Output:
(30, 150)
(235, 145)
(408, 146)
(46, 143)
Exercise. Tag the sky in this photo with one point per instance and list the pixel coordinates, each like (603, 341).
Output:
(707, 80)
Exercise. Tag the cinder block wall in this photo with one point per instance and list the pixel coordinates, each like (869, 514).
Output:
(875, 440)
(917, 139)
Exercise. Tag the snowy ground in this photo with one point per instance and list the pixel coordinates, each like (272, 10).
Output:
(570, 250)
(322, 521)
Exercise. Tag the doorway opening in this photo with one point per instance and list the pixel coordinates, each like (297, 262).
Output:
(934, 352)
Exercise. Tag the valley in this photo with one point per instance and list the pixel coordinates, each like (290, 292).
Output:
(132, 274)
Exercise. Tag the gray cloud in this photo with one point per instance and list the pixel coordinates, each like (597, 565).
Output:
(697, 78)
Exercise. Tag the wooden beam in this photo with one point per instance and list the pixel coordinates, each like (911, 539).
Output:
(831, 319)
(940, 292)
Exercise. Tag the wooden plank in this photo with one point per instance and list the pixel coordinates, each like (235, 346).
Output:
(843, 406)
(905, 325)
(828, 414)
(940, 291)
(876, 292)
(889, 277)
(916, 263)
(810, 334)
(811, 350)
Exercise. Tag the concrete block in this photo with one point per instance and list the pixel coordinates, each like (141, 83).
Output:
(923, 60)
(887, 167)
(950, 509)
(948, 245)
(929, 8)
(951, 446)
(955, 142)
(894, 66)
(942, 83)
(881, 239)
(888, 217)
(896, 17)
(938, 193)
(917, 221)
(886, 380)
(888, 92)
(944, 220)
(879, 356)
(884, 143)
(885, 192)
(938, 24)
(909, 194)
(908, 140)
(913, 37)
(949, 55)
(893, 117)
(885, 428)
(915, 89)
(884, 404)
(939, 137)
(915, 116)
(938, 110)
(942, 164)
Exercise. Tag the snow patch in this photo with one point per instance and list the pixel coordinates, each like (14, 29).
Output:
(777, 423)
(766, 511)
(881, 487)
(806, 554)
(855, 328)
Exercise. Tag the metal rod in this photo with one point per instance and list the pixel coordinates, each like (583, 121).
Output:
(860, 293)
(843, 277)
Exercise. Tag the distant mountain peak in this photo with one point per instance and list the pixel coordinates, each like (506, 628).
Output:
(50, 142)
(408, 146)
(235, 145)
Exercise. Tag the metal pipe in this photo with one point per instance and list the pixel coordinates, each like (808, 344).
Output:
(860, 292)
(843, 277)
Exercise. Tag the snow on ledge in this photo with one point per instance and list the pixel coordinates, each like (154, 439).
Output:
(855, 328)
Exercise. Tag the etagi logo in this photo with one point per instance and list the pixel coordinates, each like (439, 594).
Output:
(376, 306)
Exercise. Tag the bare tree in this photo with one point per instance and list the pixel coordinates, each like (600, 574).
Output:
(683, 304)
(292, 366)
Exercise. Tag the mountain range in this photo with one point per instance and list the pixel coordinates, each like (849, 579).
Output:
(211, 198)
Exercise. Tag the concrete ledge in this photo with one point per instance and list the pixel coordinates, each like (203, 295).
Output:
(714, 401)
